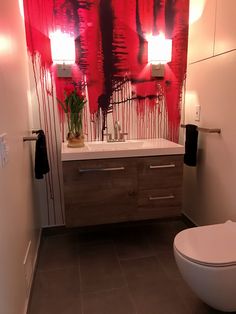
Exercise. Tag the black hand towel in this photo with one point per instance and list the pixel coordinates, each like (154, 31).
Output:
(41, 158)
(190, 157)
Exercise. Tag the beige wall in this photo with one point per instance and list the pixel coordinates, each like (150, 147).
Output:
(18, 223)
(50, 188)
(209, 189)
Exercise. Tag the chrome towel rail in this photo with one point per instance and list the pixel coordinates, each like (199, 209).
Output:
(205, 130)
(31, 138)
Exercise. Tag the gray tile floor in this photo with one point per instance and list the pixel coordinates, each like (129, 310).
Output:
(119, 269)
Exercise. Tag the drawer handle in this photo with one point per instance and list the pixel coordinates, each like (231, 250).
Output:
(101, 169)
(162, 166)
(167, 197)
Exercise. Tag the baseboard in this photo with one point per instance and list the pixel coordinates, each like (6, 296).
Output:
(54, 230)
(34, 270)
(62, 229)
(189, 221)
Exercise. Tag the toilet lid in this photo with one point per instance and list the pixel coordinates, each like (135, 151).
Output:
(213, 244)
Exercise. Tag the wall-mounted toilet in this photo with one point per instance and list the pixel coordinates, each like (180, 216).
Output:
(206, 257)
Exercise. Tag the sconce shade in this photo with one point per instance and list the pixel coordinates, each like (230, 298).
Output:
(159, 49)
(62, 48)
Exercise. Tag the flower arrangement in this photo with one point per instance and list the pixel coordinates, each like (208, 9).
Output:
(73, 105)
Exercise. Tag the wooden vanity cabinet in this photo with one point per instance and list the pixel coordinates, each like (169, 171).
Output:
(103, 191)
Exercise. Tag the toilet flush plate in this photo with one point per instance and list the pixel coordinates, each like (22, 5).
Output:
(3, 150)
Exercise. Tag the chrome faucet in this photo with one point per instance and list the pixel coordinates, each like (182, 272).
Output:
(118, 135)
(117, 129)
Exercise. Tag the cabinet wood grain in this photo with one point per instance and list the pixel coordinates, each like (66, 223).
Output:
(122, 189)
(99, 191)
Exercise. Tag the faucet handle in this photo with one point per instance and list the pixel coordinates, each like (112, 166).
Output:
(122, 136)
(117, 125)
(109, 137)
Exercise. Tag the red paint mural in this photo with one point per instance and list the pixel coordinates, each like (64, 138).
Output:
(111, 45)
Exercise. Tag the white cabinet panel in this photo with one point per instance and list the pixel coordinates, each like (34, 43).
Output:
(201, 32)
(225, 38)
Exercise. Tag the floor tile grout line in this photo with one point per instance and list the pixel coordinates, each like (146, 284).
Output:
(80, 282)
(104, 290)
(56, 269)
(160, 263)
(81, 245)
(152, 250)
(124, 285)
(115, 248)
(125, 279)
(137, 257)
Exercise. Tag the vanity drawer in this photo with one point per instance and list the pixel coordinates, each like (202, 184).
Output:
(160, 172)
(90, 174)
(98, 191)
(159, 203)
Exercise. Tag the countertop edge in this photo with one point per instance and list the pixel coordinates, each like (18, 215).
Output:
(122, 154)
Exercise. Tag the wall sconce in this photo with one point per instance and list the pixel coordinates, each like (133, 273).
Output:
(63, 52)
(159, 53)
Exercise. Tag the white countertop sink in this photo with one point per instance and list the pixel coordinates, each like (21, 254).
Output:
(107, 146)
(129, 148)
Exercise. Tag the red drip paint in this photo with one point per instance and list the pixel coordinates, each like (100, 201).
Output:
(177, 69)
(38, 23)
(104, 62)
(51, 93)
(146, 15)
(92, 59)
(158, 20)
(147, 90)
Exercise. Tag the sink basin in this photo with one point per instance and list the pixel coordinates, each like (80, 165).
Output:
(108, 146)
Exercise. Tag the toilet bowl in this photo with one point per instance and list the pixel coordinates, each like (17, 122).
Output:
(206, 257)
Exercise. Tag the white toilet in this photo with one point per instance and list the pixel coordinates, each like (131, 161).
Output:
(206, 257)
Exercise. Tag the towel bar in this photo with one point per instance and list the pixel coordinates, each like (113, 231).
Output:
(206, 130)
(29, 138)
